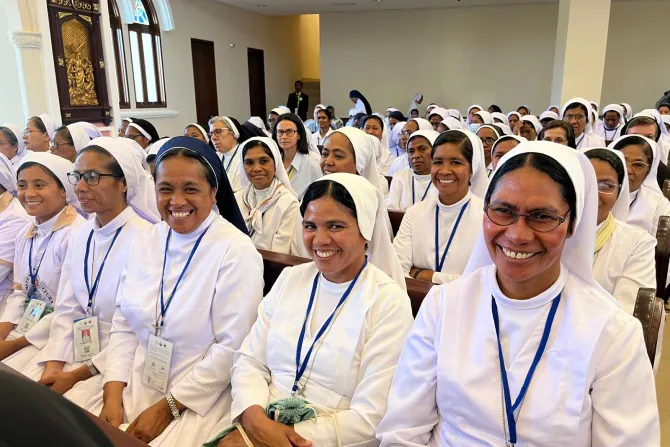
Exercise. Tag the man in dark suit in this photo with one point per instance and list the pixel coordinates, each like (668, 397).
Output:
(298, 102)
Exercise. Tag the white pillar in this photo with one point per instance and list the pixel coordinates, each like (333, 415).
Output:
(581, 45)
(28, 47)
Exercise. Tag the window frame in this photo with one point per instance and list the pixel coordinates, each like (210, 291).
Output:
(119, 54)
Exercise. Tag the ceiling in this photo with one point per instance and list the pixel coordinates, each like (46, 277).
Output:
(293, 7)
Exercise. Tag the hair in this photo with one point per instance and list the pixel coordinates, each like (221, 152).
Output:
(636, 140)
(303, 144)
(361, 124)
(148, 128)
(151, 158)
(9, 134)
(328, 113)
(65, 134)
(663, 104)
(414, 137)
(502, 139)
(224, 122)
(556, 124)
(187, 153)
(111, 164)
(611, 158)
(397, 115)
(546, 165)
(495, 108)
(523, 107)
(358, 95)
(587, 111)
(330, 107)
(254, 144)
(458, 138)
(298, 82)
(329, 188)
(496, 128)
(37, 121)
(642, 121)
(44, 168)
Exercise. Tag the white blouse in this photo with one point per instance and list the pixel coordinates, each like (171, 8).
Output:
(352, 368)
(399, 164)
(415, 241)
(408, 188)
(13, 219)
(302, 172)
(586, 141)
(318, 139)
(646, 207)
(626, 263)
(231, 164)
(593, 386)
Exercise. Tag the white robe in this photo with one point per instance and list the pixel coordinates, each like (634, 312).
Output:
(278, 222)
(52, 239)
(352, 370)
(593, 386)
(213, 310)
(590, 140)
(231, 163)
(73, 297)
(646, 208)
(626, 263)
(13, 219)
(400, 194)
(399, 163)
(415, 241)
(305, 171)
(318, 139)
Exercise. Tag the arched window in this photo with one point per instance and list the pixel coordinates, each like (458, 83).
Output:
(119, 54)
(146, 56)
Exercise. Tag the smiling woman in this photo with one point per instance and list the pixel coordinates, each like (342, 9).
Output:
(543, 322)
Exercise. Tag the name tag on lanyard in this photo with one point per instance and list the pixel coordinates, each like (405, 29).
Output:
(31, 315)
(157, 363)
(86, 338)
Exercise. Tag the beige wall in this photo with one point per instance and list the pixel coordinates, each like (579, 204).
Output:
(466, 55)
(11, 106)
(309, 47)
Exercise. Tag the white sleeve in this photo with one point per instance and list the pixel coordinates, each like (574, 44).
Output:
(394, 199)
(15, 306)
(639, 271)
(379, 359)
(297, 247)
(443, 277)
(625, 411)
(283, 238)
(5, 271)
(239, 289)
(412, 409)
(403, 243)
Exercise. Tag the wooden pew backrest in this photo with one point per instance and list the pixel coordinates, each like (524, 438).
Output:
(649, 310)
(662, 255)
(396, 220)
(666, 188)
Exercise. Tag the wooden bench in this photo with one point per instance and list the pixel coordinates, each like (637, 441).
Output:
(649, 310)
(666, 188)
(389, 178)
(396, 219)
(274, 263)
(662, 256)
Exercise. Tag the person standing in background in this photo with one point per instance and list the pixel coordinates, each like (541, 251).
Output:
(298, 101)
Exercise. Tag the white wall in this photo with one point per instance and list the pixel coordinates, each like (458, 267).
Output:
(11, 106)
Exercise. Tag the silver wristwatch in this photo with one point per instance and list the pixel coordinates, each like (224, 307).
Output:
(173, 407)
(91, 368)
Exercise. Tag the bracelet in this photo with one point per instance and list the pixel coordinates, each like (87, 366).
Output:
(91, 368)
(173, 407)
(417, 273)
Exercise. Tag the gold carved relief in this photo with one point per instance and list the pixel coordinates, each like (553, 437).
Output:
(80, 74)
(64, 14)
(87, 18)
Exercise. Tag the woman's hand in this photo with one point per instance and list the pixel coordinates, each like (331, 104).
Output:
(62, 382)
(233, 439)
(112, 397)
(151, 422)
(8, 348)
(264, 432)
(425, 275)
(113, 414)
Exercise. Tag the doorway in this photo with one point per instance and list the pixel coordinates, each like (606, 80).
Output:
(204, 80)
(256, 62)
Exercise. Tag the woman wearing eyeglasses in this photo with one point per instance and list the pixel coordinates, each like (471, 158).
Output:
(38, 133)
(40, 255)
(142, 132)
(577, 113)
(526, 348)
(412, 125)
(290, 135)
(68, 141)
(647, 203)
(437, 235)
(112, 185)
(488, 134)
(11, 144)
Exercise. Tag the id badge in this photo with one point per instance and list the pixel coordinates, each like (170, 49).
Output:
(86, 338)
(31, 315)
(157, 363)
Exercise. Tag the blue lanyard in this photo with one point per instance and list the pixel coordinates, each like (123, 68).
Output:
(231, 159)
(440, 263)
(424, 193)
(165, 306)
(92, 290)
(33, 275)
(509, 408)
(634, 200)
(577, 143)
(300, 368)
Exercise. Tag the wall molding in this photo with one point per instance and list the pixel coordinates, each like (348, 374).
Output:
(148, 113)
(24, 39)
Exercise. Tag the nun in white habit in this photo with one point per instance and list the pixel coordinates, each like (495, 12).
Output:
(68, 141)
(501, 118)
(40, 253)
(647, 202)
(412, 125)
(578, 113)
(267, 201)
(526, 348)
(341, 316)
(20, 145)
(628, 110)
(664, 138)
(122, 208)
(612, 133)
(436, 235)
(13, 218)
(197, 313)
(394, 140)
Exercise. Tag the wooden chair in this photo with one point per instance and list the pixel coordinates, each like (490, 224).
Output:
(396, 220)
(666, 188)
(662, 255)
(417, 291)
(649, 310)
(389, 178)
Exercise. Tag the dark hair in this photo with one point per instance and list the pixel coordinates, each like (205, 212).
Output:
(111, 164)
(644, 121)
(542, 163)
(328, 113)
(44, 168)
(303, 144)
(416, 136)
(636, 140)
(358, 95)
(496, 128)
(397, 115)
(330, 107)
(298, 82)
(10, 135)
(374, 117)
(151, 158)
(502, 139)
(65, 134)
(611, 158)
(663, 104)
(458, 138)
(574, 105)
(328, 188)
(187, 153)
(523, 107)
(254, 144)
(148, 128)
(37, 121)
(495, 108)
(359, 117)
(556, 124)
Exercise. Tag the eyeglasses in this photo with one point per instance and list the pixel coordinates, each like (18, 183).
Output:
(578, 117)
(27, 132)
(91, 178)
(57, 145)
(405, 133)
(637, 166)
(288, 133)
(608, 187)
(541, 221)
(488, 140)
(217, 132)
(134, 137)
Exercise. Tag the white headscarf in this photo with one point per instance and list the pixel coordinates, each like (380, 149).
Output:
(501, 116)
(650, 181)
(394, 139)
(453, 124)
(49, 124)
(534, 121)
(365, 154)
(455, 113)
(467, 115)
(618, 109)
(506, 138)
(442, 113)
(372, 217)
(485, 116)
(548, 114)
(491, 126)
(17, 133)
(653, 113)
(79, 137)
(479, 179)
(91, 129)
(577, 254)
(59, 166)
(415, 103)
(155, 147)
(666, 119)
(622, 204)
(423, 124)
(385, 131)
(258, 122)
(589, 112)
(280, 170)
(629, 110)
(317, 109)
(280, 110)
(141, 195)
(428, 109)
(429, 135)
(200, 128)
(553, 107)
(7, 175)
(517, 114)
(505, 128)
(231, 125)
